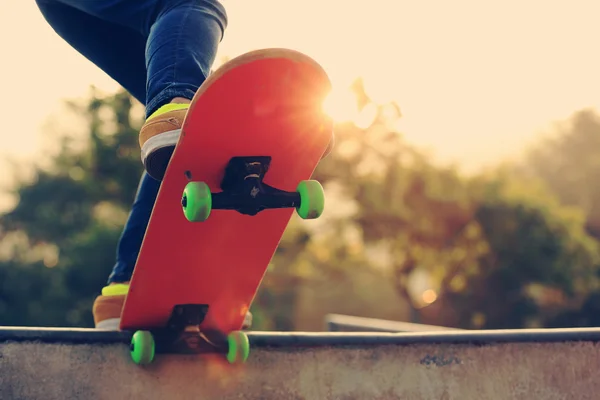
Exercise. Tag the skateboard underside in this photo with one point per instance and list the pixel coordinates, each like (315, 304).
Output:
(251, 140)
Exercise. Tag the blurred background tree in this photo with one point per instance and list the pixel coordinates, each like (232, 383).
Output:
(401, 238)
(58, 244)
(566, 160)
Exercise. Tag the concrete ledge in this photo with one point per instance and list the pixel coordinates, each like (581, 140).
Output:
(86, 364)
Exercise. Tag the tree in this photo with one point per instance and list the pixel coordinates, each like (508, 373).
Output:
(537, 259)
(59, 241)
(568, 161)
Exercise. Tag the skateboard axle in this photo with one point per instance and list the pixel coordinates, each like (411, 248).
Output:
(244, 189)
(257, 200)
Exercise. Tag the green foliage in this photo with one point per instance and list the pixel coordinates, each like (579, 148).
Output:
(538, 259)
(59, 241)
(567, 161)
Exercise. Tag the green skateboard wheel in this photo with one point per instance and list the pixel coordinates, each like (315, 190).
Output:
(142, 347)
(238, 347)
(196, 201)
(312, 199)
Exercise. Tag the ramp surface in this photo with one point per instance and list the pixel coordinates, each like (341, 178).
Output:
(87, 364)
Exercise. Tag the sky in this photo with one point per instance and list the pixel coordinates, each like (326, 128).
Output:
(477, 81)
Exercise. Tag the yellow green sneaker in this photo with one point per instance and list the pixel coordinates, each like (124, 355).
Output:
(158, 137)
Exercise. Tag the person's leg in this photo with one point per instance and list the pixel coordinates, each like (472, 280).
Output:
(182, 46)
(116, 49)
(180, 40)
(182, 37)
(131, 238)
(120, 52)
(161, 51)
(107, 307)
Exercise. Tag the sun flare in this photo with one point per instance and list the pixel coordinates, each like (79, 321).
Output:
(341, 105)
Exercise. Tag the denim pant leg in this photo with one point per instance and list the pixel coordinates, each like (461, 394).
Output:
(182, 47)
(130, 242)
(181, 40)
(117, 50)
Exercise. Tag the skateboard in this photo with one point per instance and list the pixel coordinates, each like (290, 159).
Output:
(252, 138)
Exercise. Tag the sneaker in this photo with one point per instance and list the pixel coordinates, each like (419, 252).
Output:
(158, 137)
(109, 305)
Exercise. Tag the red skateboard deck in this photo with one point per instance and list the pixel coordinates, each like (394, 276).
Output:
(263, 108)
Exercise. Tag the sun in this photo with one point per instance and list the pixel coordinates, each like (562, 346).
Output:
(340, 105)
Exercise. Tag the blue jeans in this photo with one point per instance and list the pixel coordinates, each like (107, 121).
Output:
(157, 50)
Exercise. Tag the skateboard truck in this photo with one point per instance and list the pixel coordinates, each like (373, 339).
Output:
(244, 191)
(182, 335)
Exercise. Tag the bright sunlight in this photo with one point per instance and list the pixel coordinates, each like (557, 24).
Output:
(341, 105)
